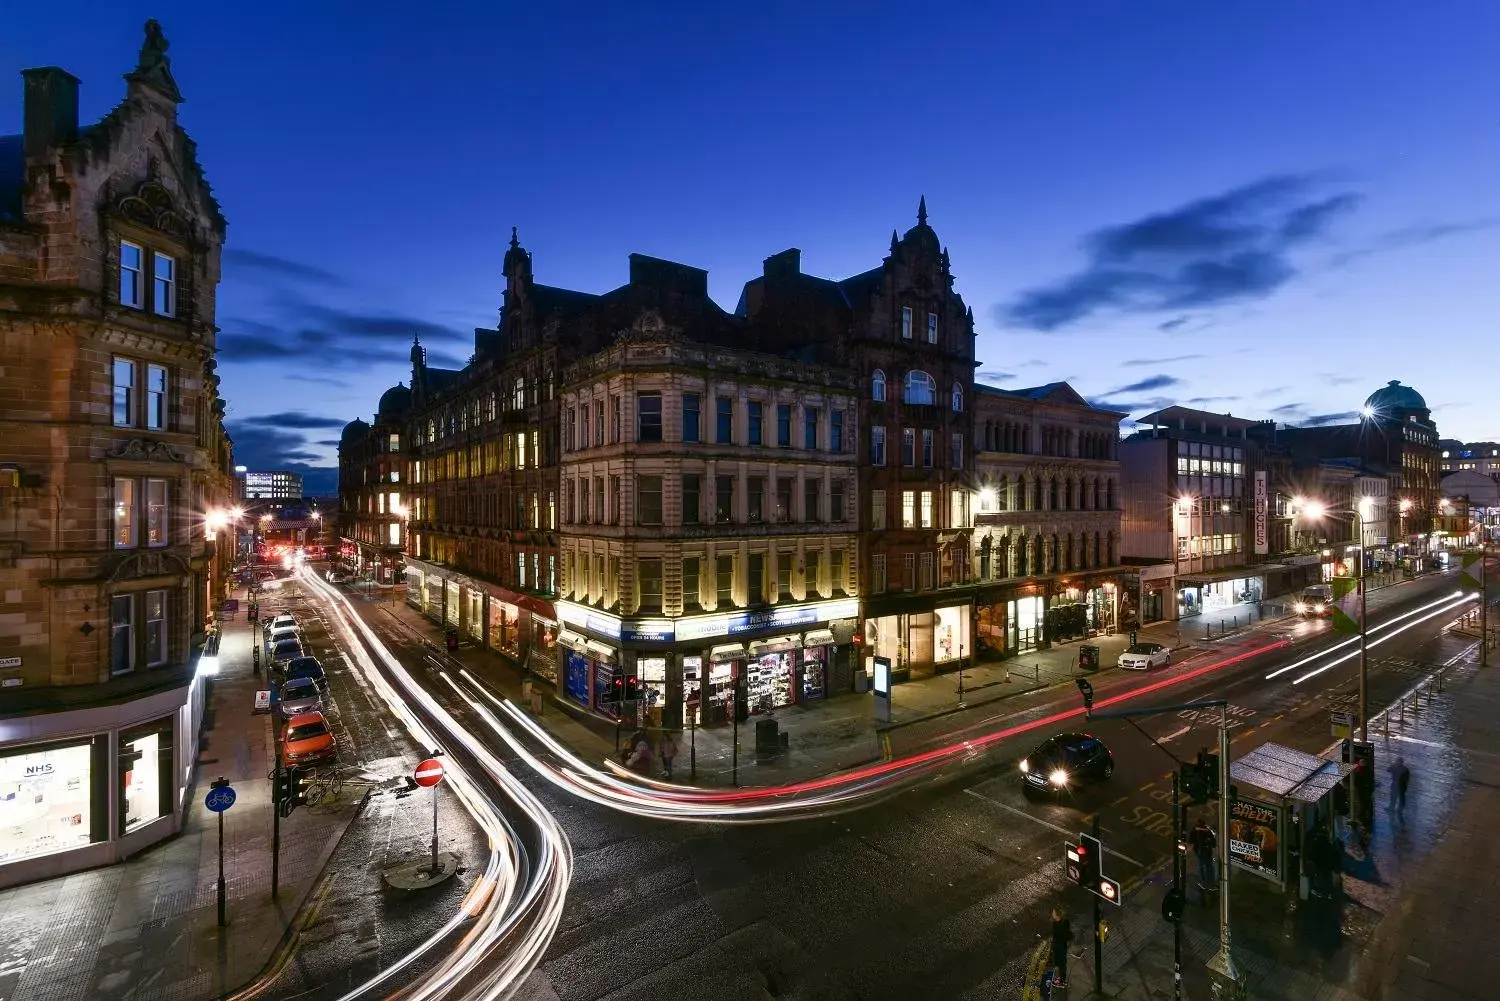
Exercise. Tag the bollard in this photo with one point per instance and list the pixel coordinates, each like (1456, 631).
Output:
(1387, 716)
(1037, 669)
(1401, 708)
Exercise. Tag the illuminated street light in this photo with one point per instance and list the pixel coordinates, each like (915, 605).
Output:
(1367, 412)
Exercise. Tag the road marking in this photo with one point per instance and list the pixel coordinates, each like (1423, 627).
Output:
(1178, 733)
(1047, 824)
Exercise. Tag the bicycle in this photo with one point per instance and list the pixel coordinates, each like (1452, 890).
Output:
(323, 790)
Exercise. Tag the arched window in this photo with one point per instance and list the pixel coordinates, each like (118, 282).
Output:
(919, 388)
(958, 398)
(877, 386)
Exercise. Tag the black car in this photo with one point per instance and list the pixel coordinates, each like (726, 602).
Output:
(307, 667)
(1066, 761)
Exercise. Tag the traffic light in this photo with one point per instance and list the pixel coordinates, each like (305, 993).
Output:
(1172, 904)
(290, 793)
(1087, 691)
(1195, 788)
(1091, 860)
(1208, 770)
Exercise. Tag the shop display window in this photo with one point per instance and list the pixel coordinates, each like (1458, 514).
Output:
(768, 681)
(692, 690)
(720, 691)
(145, 765)
(576, 684)
(814, 673)
(45, 800)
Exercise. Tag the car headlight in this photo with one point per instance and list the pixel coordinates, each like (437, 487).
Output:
(1319, 609)
(1025, 766)
(1300, 606)
(1058, 777)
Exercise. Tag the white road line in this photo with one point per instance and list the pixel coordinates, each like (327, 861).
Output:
(1178, 733)
(1048, 824)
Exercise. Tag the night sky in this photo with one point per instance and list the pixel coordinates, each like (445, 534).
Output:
(1267, 208)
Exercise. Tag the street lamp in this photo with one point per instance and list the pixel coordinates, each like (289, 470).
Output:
(1316, 510)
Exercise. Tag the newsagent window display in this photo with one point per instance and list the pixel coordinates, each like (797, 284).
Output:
(44, 801)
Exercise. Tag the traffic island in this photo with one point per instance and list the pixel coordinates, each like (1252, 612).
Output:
(419, 874)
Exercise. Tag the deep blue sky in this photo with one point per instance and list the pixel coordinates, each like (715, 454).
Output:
(1269, 208)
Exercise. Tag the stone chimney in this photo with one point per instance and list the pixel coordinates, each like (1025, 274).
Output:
(787, 263)
(51, 110)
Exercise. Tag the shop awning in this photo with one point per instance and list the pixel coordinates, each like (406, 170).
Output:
(1216, 576)
(570, 639)
(601, 651)
(818, 637)
(728, 651)
(1288, 773)
(774, 644)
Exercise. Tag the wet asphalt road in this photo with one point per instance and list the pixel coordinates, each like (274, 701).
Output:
(939, 892)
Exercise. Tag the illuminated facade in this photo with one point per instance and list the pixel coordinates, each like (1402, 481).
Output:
(114, 472)
(708, 520)
(373, 470)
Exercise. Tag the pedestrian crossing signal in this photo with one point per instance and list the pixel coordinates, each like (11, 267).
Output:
(1108, 890)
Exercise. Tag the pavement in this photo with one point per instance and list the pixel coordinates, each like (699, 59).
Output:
(1417, 919)
(148, 928)
(832, 734)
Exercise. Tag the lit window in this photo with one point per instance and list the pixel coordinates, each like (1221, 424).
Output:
(908, 509)
(164, 285)
(156, 513)
(124, 514)
(926, 509)
(130, 275)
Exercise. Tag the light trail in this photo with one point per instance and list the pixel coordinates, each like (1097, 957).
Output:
(1448, 600)
(1463, 600)
(512, 891)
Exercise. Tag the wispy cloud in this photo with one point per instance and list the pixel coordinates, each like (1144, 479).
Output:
(1413, 236)
(1200, 400)
(1231, 247)
(1334, 379)
(990, 375)
(319, 379)
(1141, 362)
(293, 420)
(1146, 385)
(280, 268)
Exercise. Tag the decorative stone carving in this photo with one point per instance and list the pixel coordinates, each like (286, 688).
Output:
(146, 450)
(148, 563)
(152, 205)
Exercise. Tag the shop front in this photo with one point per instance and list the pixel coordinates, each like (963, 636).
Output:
(1211, 592)
(682, 672)
(92, 786)
(921, 644)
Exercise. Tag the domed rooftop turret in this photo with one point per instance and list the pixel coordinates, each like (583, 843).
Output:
(354, 429)
(1393, 397)
(395, 401)
(922, 233)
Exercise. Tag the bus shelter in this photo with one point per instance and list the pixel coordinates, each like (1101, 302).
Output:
(1281, 817)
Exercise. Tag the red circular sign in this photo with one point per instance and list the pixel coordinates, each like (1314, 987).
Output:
(429, 773)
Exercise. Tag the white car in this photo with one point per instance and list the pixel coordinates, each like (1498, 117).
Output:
(1143, 656)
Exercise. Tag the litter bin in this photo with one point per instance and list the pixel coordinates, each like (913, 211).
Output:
(1088, 657)
(767, 737)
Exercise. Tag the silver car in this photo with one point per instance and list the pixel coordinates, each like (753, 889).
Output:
(299, 695)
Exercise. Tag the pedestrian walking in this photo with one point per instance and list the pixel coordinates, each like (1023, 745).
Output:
(1204, 842)
(1062, 935)
(1400, 778)
(668, 751)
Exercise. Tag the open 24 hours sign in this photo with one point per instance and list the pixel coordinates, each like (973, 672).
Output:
(1255, 837)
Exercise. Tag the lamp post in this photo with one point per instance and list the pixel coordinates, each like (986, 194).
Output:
(1315, 511)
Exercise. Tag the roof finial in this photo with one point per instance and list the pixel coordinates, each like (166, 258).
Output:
(514, 242)
(922, 211)
(894, 241)
(153, 68)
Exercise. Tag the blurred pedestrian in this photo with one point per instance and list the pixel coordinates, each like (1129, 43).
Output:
(1400, 779)
(1204, 842)
(1062, 935)
(668, 751)
(640, 759)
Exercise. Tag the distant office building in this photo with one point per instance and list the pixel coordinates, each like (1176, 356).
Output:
(1472, 456)
(278, 485)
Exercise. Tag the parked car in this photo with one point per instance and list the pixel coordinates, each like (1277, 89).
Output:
(275, 636)
(310, 668)
(307, 741)
(299, 695)
(286, 620)
(286, 651)
(1144, 656)
(1065, 761)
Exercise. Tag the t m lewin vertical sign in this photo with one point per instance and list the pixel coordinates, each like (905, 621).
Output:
(1262, 503)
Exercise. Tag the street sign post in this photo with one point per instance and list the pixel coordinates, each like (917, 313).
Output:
(220, 798)
(428, 774)
(1341, 723)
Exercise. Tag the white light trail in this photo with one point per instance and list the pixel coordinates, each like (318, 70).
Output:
(1378, 627)
(1390, 635)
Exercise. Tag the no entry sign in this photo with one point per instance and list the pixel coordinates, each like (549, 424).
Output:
(429, 773)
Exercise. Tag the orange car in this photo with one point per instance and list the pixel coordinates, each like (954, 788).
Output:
(307, 741)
